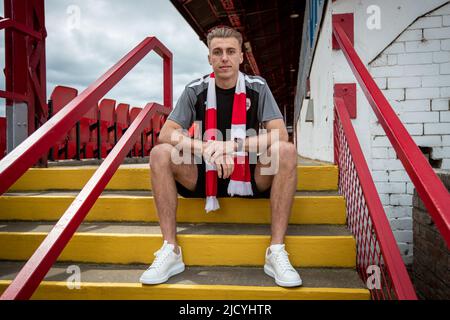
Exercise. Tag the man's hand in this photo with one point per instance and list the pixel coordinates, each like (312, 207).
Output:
(217, 149)
(225, 166)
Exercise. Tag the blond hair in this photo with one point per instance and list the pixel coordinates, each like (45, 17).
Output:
(224, 32)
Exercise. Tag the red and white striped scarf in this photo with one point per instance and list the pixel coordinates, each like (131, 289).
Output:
(240, 178)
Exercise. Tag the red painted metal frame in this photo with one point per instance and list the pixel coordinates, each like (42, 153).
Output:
(376, 245)
(25, 66)
(428, 185)
(348, 92)
(31, 275)
(25, 155)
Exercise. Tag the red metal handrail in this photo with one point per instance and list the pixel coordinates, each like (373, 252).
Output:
(31, 275)
(428, 185)
(376, 245)
(17, 162)
(21, 158)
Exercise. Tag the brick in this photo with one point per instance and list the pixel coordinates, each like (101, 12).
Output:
(411, 35)
(445, 141)
(381, 142)
(396, 47)
(428, 141)
(446, 21)
(401, 223)
(412, 105)
(420, 70)
(410, 188)
(419, 117)
(380, 176)
(437, 128)
(415, 58)
(445, 45)
(384, 199)
(380, 153)
(377, 130)
(394, 94)
(441, 57)
(440, 104)
(398, 176)
(390, 187)
(440, 152)
(437, 33)
(403, 236)
(423, 46)
(389, 164)
(390, 71)
(445, 68)
(445, 164)
(427, 22)
(405, 248)
(381, 83)
(404, 82)
(422, 93)
(401, 199)
(414, 129)
(436, 81)
(392, 59)
(445, 116)
(380, 61)
(392, 153)
(445, 92)
(398, 211)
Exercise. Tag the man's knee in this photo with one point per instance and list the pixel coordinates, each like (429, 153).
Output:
(160, 155)
(287, 154)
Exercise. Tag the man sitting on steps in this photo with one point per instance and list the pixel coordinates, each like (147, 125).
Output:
(227, 101)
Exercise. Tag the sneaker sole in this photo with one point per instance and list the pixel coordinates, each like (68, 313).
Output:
(178, 269)
(269, 271)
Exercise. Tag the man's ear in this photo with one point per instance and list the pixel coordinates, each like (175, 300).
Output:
(242, 57)
(209, 60)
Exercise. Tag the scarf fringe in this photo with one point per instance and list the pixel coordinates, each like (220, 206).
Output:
(240, 188)
(212, 204)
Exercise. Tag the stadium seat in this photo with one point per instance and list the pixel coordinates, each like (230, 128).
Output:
(122, 119)
(107, 115)
(63, 148)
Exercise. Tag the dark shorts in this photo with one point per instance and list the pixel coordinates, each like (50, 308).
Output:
(222, 186)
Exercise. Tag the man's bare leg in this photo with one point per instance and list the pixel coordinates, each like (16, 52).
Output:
(284, 184)
(163, 175)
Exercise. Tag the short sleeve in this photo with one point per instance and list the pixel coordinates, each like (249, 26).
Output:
(267, 106)
(184, 111)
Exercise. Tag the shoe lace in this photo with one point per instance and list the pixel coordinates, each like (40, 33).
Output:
(283, 260)
(161, 256)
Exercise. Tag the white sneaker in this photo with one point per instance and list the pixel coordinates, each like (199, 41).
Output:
(279, 267)
(166, 264)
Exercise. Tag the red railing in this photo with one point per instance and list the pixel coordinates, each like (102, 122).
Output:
(428, 185)
(366, 219)
(25, 155)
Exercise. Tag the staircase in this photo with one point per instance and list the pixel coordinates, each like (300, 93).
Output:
(223, 251)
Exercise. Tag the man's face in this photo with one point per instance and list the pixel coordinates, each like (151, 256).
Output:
(225, 56)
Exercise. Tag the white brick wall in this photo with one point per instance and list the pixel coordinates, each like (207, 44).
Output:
(414, 74)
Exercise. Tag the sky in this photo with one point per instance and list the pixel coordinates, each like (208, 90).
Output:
(87, 37)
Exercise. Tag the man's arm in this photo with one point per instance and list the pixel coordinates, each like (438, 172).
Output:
(172, 133)
(276, 131)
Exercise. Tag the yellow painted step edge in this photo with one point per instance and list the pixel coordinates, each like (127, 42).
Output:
(204, 250)
(305, 209)
(52, 290)
(65, 178)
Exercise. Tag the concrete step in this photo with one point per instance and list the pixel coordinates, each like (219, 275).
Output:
(122, 282)
(137, 177)
(203, 244)
(314, 207)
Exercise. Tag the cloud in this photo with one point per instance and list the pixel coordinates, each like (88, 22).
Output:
(80, 50)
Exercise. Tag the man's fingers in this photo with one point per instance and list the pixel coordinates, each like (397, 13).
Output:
(219, 170)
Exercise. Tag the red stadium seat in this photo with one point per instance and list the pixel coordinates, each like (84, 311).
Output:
(89, 133)
(63, 148)
(122, 119)
(107, 115)
(136, 150)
